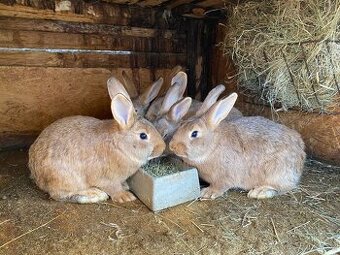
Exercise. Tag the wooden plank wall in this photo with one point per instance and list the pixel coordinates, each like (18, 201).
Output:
(55, 60)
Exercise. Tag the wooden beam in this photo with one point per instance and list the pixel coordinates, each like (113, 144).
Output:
(37, 39)
(152, 3)
(199, 51)
(208, 41)
(192, 55)
(85, 28)
(88, 59)
(211, 3)
(175, 3)
(86, 12)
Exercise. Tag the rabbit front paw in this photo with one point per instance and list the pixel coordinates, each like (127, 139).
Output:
(262, 192)
(210, 193)
(123, 196)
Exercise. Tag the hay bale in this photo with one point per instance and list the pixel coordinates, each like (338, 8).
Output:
(287, 51)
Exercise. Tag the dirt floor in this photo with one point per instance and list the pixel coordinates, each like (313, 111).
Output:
(306, 221)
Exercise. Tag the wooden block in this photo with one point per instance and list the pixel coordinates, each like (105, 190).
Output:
(159, 193)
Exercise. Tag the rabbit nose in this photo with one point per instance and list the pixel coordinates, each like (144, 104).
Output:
(158, 150)
(178, 148)
(172, 146)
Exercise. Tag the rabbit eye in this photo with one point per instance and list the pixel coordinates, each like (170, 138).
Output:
(143, 136)
(194, 134)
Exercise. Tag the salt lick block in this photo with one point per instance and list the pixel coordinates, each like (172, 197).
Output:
(162, 192)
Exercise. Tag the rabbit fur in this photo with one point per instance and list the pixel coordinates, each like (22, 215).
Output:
(83, 159)
(252, 153)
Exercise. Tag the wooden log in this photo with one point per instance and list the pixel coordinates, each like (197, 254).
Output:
(52, 40)
(85, 28)
(88, 59)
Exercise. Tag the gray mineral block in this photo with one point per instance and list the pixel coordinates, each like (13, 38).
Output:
(160, 191)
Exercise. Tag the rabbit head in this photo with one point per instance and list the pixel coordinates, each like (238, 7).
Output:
(158, 108)
(141, 102)
(194, 139)
(168, 123)
(139, 136)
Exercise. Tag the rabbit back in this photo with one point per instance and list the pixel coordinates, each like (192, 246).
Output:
(246, 153)
(256, 151)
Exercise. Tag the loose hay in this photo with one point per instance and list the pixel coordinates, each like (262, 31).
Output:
(161, 167)
(224, 221)
(287, 51)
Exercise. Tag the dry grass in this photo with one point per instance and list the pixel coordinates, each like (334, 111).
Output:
(161, 166)
(304, 221)
(287, 51)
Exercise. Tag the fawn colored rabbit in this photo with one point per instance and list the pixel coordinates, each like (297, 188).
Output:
(172, 115)
(252, 153)
(141, 102)
(83, 159)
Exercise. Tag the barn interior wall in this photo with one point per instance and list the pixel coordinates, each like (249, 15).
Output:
(55, 60)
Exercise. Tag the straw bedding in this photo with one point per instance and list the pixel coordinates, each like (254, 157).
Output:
(287, 51)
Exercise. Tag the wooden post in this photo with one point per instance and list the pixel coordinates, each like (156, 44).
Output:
(200, 41)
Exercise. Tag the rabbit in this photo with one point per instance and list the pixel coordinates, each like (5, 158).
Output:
(251, 153)
(167, 123)
(155, 108)
(85, 160)
(141, 102)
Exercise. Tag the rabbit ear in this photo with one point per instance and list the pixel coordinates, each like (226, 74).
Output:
(123, 111)
(210, 99)
(174, 71)
(180, 109)
(130, 86)
(171, 97)
(167, 79)
(151, 92)
(180, 78)
(220, 110)
(115, 87)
